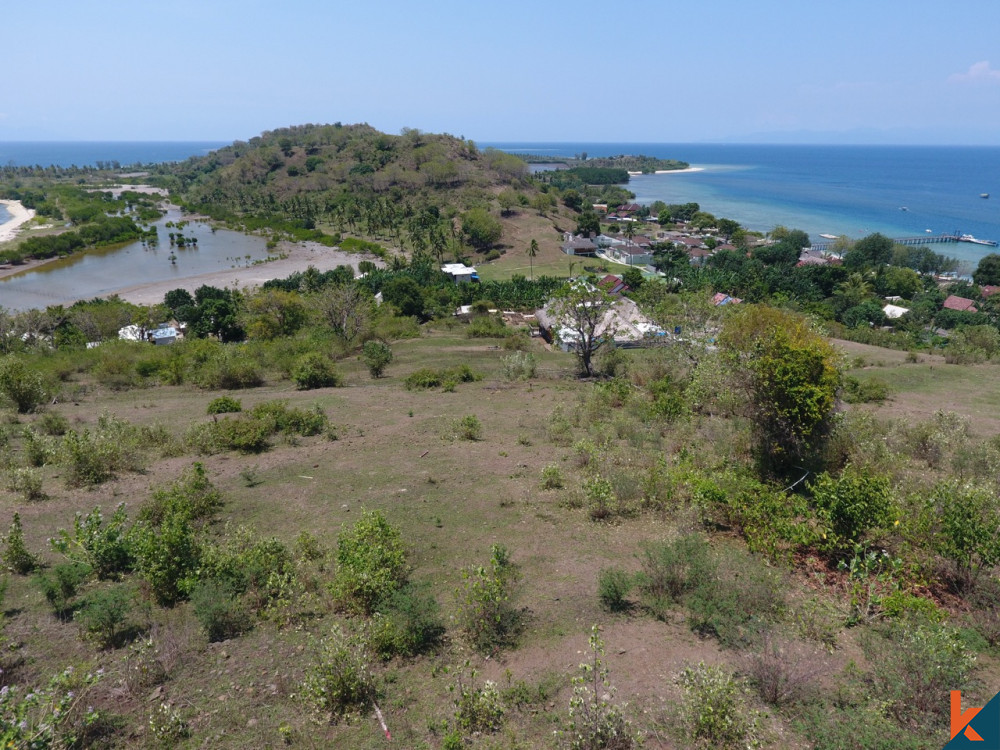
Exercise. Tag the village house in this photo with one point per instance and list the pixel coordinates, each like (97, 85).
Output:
(460, 273)
(578, 246)
(960, 304)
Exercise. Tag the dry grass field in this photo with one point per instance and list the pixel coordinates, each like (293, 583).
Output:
(399, 451)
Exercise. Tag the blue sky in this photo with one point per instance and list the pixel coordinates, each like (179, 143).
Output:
(877, 71)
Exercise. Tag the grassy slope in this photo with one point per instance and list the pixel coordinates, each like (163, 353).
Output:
(452, 499)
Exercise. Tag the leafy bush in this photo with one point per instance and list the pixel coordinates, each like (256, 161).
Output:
(853, 504)
(168, 554)
(478, 708)
(53, 423)
(314, 370)
(519, 366)
(377, 355)
(27, 482)
(20, 385)
(15, 554)
(969, 533)
(408, 623)
(486, 616)
(106, 549)
(552, 478)
(913, 666)
(672, 569)
(613, 587)
(486, 327)
(715, 710)
(248, 565)
(469, 428)
(192, 496)
(106, 615)
(92, 458)
(423, 378)
(221, 613)
(869, 390)
(224, 405)
(60, 585)
(230, 369)
(371, 562)
(340, 682)
(595, 721)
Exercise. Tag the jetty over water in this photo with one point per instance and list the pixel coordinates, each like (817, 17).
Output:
(927, 239)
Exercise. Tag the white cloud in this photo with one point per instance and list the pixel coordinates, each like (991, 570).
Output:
(979, 72)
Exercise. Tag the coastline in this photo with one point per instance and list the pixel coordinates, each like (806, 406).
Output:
(19, 215)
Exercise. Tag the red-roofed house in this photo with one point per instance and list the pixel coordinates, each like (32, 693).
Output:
(988, 290)
(960, 304)
(613, 285)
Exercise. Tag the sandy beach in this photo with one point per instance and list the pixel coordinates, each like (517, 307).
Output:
(299, 256)
(18, 215)
(679, 171)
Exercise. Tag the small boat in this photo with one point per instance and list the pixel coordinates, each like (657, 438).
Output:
(929, 231)
(974, 241)
(984, 195)
(828, 236)
(903, 208)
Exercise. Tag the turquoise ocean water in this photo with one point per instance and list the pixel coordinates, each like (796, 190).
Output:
(850, 190)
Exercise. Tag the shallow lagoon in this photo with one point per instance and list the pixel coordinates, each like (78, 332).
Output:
(101, 272)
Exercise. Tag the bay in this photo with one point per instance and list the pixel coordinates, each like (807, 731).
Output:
(841, 190)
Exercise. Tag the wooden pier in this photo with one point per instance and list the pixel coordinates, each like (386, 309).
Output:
(929, 239)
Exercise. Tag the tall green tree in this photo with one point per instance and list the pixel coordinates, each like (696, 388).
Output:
(580, 309)
(532, 252)
(789, 378)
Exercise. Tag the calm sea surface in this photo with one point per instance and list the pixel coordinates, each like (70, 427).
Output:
(851, 190)
(88, 153)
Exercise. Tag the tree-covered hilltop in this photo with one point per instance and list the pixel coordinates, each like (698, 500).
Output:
(336, 173)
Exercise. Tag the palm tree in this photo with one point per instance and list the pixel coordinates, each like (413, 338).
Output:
(532, 252)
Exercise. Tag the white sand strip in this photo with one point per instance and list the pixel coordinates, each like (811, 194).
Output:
(680, 171)
(18, 215)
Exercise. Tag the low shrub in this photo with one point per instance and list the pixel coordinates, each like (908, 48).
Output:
(596, 722)
(192, 496)
(27, 482)
(478, 708)
(53, 423)
(866, 391)
(224, 405)
(230, 369)
(782, 671)
(552, 478)
(716, 711)
(671, 569)
(519, 366)
(408, 623)
(469, 428)
(21, 385)
(613, 587)
(222, 614)
(92, 458)
(105, 548)
(486, 616)
(913, 665)
(314, 370)
(371, 562)
(486, 327)
(15, 554)
(106, 615)
(60, 585)
(377, 355)
(341, 681)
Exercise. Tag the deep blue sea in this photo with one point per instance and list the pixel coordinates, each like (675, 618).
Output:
(850, 190)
